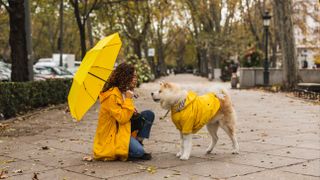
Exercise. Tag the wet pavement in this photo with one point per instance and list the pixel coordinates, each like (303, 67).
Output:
(279, 138)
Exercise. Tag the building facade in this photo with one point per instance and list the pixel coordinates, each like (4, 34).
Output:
(307, 32)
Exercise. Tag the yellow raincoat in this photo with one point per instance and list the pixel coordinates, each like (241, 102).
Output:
(112, 137)
(190, 115)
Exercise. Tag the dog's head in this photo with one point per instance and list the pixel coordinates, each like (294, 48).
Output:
(168, 94)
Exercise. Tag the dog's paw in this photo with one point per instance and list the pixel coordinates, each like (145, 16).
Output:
(184, 157)
(178, 154)
(236, 151)
(209, 150)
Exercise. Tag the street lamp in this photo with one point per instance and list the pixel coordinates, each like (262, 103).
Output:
(266, 23)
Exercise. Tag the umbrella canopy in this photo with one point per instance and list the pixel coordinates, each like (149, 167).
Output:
(92, 74)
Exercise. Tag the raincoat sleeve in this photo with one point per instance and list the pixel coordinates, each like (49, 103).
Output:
(122, 112)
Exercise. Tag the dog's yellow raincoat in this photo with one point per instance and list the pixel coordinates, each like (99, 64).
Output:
(114, 127)
(192, 114)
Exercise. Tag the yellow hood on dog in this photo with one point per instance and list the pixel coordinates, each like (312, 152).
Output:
(192, 114)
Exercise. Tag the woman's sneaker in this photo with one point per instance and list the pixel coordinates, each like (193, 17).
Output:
(146, 156)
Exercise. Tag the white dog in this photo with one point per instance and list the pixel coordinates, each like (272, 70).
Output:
(190, 113)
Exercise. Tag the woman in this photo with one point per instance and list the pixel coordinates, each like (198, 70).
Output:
(113, 139)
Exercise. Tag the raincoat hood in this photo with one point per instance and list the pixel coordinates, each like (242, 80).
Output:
(112, 91)
(191, 114)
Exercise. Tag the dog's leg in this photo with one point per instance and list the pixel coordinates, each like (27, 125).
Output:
(212, 129)
(187, 146)
(230, 130)
(181, 146)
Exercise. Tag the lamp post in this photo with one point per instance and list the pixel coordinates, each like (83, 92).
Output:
(266, 24)
(61, 34)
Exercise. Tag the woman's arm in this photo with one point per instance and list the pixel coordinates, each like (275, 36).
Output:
(122, 113)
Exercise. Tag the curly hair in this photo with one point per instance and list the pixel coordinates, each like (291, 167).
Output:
(121, 77)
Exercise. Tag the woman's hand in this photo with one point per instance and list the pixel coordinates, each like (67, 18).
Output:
(129, 94)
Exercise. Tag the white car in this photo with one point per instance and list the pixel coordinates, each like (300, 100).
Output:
(51, 72)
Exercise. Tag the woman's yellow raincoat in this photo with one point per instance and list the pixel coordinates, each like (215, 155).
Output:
(112, 137)
(194, 112)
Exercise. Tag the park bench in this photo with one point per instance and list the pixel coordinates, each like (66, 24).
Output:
(308, 91)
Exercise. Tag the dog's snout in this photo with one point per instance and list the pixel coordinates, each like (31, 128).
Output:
(152, 94)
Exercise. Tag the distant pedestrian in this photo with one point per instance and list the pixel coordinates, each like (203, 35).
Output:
(305, 64)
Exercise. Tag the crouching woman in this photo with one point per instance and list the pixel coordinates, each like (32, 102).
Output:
(114, 139)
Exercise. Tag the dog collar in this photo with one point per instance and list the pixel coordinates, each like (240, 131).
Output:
(179, 106)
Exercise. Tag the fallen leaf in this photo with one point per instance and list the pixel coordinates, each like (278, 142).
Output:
(3, 174)
(152, 169)
(264, 134)
(87, 158)
(35, 176)
(141, 167)
(44, 147)
(6, 161)
(18, 171)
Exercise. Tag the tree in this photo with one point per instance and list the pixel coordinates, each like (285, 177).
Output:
(4, 38)
(211, 31)
(135, 21)
(17, 40)
(284, 22)
(82, 11)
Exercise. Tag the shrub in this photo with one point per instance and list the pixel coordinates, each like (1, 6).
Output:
(20, 97)
(253, 59)
(142, 67)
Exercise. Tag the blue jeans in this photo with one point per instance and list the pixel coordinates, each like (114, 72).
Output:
(135, 148)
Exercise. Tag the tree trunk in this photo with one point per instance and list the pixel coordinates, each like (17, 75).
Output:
(82, 28)
(161, 62)
(137, 47)
(83, 40)
(89, 26)
(204, 62)
(18, 42)
(285, 25)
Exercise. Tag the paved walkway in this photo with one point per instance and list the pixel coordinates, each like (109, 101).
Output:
(279, 138)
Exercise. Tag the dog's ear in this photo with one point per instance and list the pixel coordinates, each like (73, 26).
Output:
(162, 83)
(167, 85)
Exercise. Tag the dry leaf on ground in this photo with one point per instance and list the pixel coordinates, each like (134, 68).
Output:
(87, 158)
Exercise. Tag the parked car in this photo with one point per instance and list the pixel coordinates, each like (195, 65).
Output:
(4, 77)
(5, 71)
(51, 72)
(74, 69)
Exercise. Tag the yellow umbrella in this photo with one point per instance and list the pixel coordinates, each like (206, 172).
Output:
(92, 74)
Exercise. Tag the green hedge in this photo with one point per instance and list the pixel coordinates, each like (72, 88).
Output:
(20, 97)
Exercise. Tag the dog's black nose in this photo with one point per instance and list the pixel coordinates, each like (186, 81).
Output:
(152, 94)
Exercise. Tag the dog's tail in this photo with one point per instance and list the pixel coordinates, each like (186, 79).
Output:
(221, 93)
